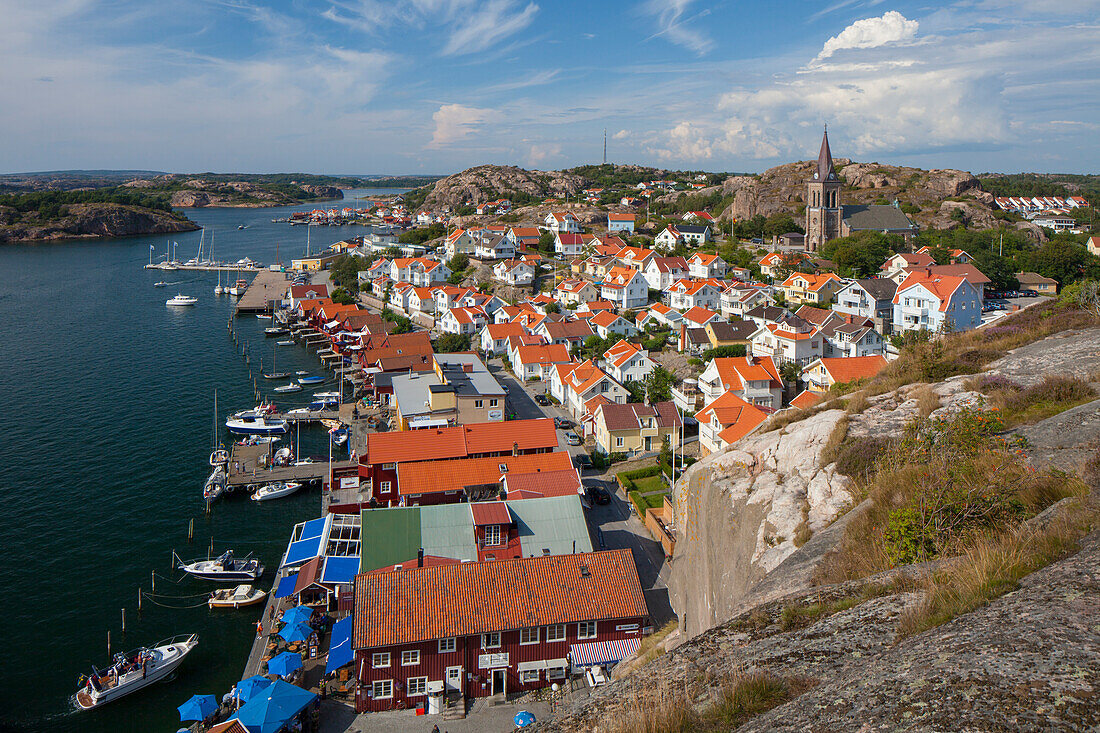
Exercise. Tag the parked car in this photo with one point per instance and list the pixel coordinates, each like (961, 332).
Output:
(582, 461)
(542, 399)
(562, 424)
(573, 439)
(597, 494)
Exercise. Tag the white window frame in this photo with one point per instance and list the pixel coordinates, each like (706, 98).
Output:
(478, 403)
(528, 676)
(556, 632)
(486, 640)
(386, 687)
(583, 627)
(527, 632)
(409, 654)
(496, 541)
(384, 485)
(555, 673)
(448, 645)
(380, 660)
(618, 441)
(420, 684)
(493, 403)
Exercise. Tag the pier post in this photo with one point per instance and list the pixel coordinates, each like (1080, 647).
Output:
(108, 643)
(153, 578)
(139, 599)
(124, 622)
(191, 530)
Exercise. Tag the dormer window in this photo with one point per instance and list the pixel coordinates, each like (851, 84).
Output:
(492, 535)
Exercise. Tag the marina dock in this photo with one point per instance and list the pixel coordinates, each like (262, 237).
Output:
(245, 468)
(206, 268)
(266, 287)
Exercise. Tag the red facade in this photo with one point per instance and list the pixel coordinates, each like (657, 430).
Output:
(476, 671)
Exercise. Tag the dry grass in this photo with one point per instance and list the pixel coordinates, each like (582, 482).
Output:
(733, 701)
(836, 438)
(857, 403)
(927, 400)
(649, 649)
(994, 566)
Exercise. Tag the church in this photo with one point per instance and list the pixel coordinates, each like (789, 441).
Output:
(828, 218)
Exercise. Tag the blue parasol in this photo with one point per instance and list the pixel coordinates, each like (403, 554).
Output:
(285, 663)
(295, 632)
(249, 688)
(297, 615)
(198, 707)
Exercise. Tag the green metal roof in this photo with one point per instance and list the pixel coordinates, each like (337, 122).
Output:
(389, 537)
(448, 531)
(552, 523)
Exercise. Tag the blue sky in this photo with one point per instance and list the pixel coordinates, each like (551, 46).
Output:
(435, 86)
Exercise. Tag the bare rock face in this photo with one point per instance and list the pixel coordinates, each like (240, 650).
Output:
(489, 182)
(976, 215)
(750, 503)
(1033, 231)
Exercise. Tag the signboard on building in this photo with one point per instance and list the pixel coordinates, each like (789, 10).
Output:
(349, 482)
(496, 414)
(491, 661)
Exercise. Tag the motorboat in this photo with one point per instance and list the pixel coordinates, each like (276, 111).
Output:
(239, 597)
(180, 299)
(133, 670)
(215, 484)
(284, 343)
(276, 331)
(160, 284)
(256, 425)
(310, 380)
(276, 490)
(282, 456)
(339, 438)
(219, 457)
(263, 316)
(301, 372)
(276, 375)
(325, 404)
(299, 411)
(238, 287)
(240, 226)
(260, 440)
(292, 387)
(326, 395)
(264, 408)
(225, 567)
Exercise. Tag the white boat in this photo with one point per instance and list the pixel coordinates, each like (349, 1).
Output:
(299, 411)
(292, 387)
(239, 597)
(326, 395)
(284, 343)
(276, 490)
(160, 284)
(131, 671)
(215, 484)
(260, 440)
(224, 568)
(256, 425)
(238, 287)
(282, 456)
(180, 299)
(263, 316)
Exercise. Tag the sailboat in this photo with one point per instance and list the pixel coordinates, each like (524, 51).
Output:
(218, 289)
(274, 374)
(216, 483)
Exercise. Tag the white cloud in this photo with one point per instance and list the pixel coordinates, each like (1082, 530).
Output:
(621, 135)
(494, 21)
(672, 25)
(453, 122)
(871, 33)
(537, 155)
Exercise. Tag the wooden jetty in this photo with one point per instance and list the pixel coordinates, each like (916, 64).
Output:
(206, 268)
(266, 287)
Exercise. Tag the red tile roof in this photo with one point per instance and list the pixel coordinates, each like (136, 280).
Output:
(420, 604)
(459, 441)
(853, 367)
(738, 417)
(430, 477)
(806, 399)
(565, 482)
(543, 354)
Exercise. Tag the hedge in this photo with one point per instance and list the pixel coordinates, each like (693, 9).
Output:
(626, 478)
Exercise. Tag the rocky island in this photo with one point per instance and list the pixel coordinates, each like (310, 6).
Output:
(87, 214)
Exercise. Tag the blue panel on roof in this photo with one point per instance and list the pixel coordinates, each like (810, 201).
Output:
(286, 586)
(340, 569)
(302, 550)
(313, 528)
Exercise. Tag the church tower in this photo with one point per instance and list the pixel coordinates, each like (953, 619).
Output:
(823, 208)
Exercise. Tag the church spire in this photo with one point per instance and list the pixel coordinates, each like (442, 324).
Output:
(825, 169)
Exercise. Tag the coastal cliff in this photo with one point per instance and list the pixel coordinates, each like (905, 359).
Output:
(780, 630)
(90, 220)
(199, 192)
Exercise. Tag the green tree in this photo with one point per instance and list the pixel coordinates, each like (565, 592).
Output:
(658, 385)
(344, 271)
(459, 262)
(546, 242)
(861, 254)
(449, 343)
(790, 372)
(343, 297)
(636, 390)
(1062, 259)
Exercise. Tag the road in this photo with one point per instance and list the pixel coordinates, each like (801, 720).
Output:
(612, 526)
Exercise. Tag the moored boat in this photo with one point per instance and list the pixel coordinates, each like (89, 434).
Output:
(256, 425)
(276, 375)
(131, 671)
(292, 387)
(263, 316)
(226, 567)
(310, 380)
(276, 331)
(276, 490)
(238, 287)
(215, 484)
(284, 343)
(239, 597)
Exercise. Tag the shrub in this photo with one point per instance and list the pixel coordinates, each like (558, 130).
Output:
(858, 457)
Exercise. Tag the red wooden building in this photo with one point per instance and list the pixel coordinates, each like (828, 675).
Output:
(491, 628)
(378, 466)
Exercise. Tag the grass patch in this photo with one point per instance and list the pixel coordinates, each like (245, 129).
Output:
(994, 566)
(797, 617)
(743, 697)
(1025, 405)
(649, 648)
(927, 400)
(857, 403)
(642, 502)
(836, 438)
(948, 485)
(650, 484)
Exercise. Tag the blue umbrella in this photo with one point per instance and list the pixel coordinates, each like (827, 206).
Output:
(285, 663)
(523, 719)
(276, 706)
(297, 615)
(198, 707)
(295, 632)
(249, 688)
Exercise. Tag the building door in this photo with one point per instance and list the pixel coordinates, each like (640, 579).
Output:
(648, 444)
(499, 686)
(454, 679)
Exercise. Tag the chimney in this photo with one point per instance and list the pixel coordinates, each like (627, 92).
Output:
(420, 558)
(515, 449)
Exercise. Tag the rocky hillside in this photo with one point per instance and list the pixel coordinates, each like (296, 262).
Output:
(489, 182)
(79, 221)
(760, 527)
(198, 192)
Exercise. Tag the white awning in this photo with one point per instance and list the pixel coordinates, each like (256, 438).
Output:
(542, 664)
